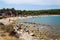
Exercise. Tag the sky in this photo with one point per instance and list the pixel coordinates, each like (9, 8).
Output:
(30, 4)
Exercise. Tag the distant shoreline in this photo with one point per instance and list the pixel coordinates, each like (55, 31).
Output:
(36, 16)
(6, 20)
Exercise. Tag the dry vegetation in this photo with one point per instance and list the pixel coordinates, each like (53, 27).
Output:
(6, 29)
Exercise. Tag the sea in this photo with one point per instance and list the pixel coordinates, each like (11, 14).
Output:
(54, 21)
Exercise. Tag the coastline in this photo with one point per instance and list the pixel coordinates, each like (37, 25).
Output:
(32, 28)
(36, 16)
(10, 20)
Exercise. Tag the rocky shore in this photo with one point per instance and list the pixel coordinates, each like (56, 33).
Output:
(33, 31)
(28, 30)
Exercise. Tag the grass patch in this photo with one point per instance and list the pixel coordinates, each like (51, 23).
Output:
(7, 28)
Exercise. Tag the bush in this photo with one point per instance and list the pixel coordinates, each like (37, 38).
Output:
(8, 28)
(1, 26)
(1, 17)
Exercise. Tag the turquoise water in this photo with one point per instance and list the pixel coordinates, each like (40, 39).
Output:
(47, 20)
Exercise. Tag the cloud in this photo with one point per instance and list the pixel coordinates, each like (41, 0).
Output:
(34, 2)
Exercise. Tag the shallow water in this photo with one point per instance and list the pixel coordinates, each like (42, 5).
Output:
(47, 20)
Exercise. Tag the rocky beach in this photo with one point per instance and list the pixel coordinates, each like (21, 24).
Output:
(27, 30)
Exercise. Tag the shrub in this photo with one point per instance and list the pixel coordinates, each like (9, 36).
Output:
(1, 26)
(1, 17)
(8, 28)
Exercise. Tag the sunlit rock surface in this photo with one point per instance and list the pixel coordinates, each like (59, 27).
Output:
(39, 31)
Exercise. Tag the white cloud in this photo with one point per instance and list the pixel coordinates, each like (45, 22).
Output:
(36, 2)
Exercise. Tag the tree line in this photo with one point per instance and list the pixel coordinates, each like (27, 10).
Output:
(13, 12)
